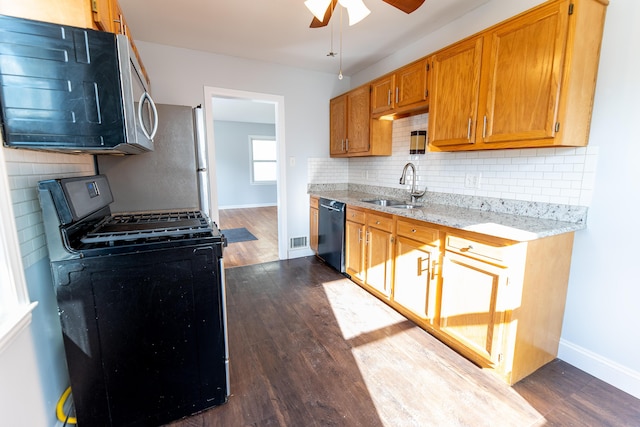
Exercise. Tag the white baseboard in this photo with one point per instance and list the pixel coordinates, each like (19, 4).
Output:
(253, 205)
(619, 376)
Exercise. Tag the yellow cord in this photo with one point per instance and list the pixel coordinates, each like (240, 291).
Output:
(60, 408)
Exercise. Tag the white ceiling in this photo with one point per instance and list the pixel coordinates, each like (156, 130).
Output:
(278, 30)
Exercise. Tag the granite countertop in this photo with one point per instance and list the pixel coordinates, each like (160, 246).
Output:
(510, 226)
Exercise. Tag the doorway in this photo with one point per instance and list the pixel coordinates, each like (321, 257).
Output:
(225, 105)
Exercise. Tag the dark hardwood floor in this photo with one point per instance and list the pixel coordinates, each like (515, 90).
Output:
(311, 348)
(262, 222)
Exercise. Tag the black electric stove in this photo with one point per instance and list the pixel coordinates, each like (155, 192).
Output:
(141, 301)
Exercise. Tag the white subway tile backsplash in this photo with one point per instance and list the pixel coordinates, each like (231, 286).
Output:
(548, 175)
(25, 169)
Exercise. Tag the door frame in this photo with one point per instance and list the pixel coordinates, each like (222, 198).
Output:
(278, 103)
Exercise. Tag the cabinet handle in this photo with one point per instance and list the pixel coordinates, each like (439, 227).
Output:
(347, 144)
(366, 240)
(484, 127)
(469, 129)
(433, 269)
(421, 269)
(413, 230)
(389, 97)
(467, 249)
(359, 235)
(377, 222)
(397, 92)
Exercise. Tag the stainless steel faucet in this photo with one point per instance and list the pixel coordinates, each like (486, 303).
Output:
(415, 195)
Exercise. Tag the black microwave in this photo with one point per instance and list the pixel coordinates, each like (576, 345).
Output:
(72, 90)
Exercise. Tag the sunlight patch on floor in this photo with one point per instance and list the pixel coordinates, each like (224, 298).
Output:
(357, 315)
(382, 347)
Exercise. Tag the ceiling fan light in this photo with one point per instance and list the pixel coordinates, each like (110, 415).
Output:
(318, 7)
(356, 9)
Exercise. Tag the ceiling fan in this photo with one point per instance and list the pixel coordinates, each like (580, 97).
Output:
(323, 9)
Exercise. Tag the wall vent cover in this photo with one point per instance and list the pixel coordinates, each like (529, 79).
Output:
(298, 242)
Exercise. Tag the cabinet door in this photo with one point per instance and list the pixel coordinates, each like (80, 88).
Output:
(524, 76)
(455, 88)
(337, 125)
(468, 304)
(411, 84)
(382, 95)
(414, 285)
(354, 250)
(358, 116)
(76, 13)
(379, 260)
(102, 15)
(313, 229)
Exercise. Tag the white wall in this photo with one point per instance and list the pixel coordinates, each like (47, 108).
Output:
(599, 334)
(600, 330)
(179, 76)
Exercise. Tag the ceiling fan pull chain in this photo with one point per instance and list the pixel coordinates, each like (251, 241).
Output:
(340, 73)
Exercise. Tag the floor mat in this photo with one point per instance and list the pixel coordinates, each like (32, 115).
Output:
(235, 235)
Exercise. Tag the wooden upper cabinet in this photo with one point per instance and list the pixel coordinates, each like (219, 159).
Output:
(352, 131)
(455, 92)
(411, 84)
(108, 16)
(358, 120)
(383, 95)
(102, 15)
(338, 125)
(404, 91)
(537, 81)
(76, 13)
(523, 76)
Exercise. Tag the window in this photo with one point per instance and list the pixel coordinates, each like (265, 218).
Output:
(263, 160)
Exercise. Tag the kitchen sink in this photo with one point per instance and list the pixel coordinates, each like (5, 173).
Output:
(398, 204)
(385, 202)
(406, 206)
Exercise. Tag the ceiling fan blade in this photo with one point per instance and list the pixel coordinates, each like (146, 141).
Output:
(316, 23)
(407, 6)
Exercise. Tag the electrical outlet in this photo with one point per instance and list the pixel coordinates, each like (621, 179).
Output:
(472, 180)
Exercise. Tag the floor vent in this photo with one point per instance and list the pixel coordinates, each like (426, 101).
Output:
(298, 242)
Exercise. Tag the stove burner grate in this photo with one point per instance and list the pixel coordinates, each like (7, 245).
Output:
(148, 226)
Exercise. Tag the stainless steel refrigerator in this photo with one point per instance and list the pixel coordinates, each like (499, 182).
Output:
(172, 177)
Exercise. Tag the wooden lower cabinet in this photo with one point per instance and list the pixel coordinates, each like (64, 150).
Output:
(313, 224)
(469, 311)
(369, 249)
(498, 302)
(355, 250)
(379, 260)
(417, 257)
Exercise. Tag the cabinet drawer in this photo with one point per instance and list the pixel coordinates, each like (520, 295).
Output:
(355, 215)
(418, 232)
(314, 202)
(380, 222)
(481, 250)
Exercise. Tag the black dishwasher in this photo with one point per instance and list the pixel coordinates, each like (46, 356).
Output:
(331, 220)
